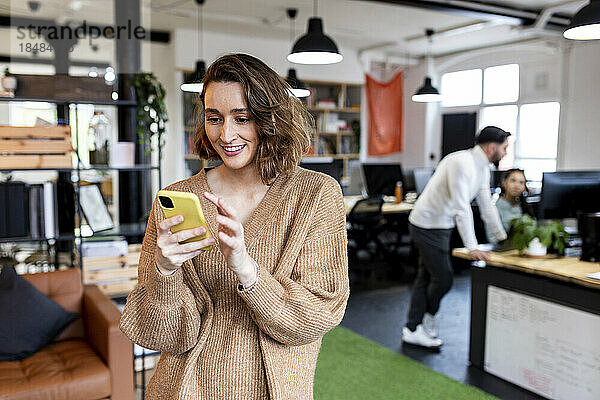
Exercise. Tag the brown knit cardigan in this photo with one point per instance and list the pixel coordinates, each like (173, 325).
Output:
(219, 342)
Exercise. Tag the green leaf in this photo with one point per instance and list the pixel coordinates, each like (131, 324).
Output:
(551, 234)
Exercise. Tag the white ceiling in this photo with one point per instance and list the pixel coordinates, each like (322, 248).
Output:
(352, 23)
(528, 4)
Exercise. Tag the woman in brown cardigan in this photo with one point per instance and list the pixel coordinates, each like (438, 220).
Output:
(245, 319)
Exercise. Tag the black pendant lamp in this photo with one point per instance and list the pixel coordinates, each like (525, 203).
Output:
(298, 88)
(194, 83)
(427, 93)
(315, 47)
(585, 25)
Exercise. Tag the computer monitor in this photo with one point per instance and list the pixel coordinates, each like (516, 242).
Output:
(567, 193)
(329, 166)
(496, 179)
(408, 180)
(422, 176)
(381, 178)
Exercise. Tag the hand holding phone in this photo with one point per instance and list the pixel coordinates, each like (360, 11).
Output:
(183, 234)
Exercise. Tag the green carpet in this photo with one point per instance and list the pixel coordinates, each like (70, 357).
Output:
(353, 367)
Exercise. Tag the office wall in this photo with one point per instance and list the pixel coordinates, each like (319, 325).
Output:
(158, 58)
(579, 138)
(541, 76)
(419, 137)
(169, 61)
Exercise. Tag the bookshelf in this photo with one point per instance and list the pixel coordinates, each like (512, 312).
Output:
(47, 244)
(336, 107)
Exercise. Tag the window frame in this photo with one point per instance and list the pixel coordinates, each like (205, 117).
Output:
(478, 109)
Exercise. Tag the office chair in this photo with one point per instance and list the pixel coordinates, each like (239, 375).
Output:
(364, 225)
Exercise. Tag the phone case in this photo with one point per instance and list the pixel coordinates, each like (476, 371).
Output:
(188, 205)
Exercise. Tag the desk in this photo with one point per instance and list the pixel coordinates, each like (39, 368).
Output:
(568, 269)
(535, 323)
(388, 207)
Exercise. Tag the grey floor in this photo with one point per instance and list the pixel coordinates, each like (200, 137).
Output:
(380, 314)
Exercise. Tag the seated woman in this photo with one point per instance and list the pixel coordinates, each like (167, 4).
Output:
(511, 203)
(244, 320)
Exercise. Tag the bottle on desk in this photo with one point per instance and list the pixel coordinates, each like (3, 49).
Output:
(398, 192)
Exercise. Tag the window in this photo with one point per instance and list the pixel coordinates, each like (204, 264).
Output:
(534, 142)
(538, 138)
(501, 84)
(461, 88)
(504, 117)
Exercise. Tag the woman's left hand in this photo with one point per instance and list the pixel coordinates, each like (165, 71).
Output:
(231, 239)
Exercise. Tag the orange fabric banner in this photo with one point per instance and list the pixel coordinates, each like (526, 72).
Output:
(385, 115)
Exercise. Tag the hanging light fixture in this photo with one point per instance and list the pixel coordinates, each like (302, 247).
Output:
(315, 47)
(298, 88)
(427, 93)
(194, 83)
(585, 25)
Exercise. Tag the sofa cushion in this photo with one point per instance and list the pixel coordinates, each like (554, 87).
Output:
(65, 288)
(28, 319)
(67, 370)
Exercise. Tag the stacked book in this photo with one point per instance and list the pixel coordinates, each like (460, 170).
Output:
(37, 211)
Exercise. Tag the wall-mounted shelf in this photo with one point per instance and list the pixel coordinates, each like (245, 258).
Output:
(340, 110)
(141, 167)
(72, 101)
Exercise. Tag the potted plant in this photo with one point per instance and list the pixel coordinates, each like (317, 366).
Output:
(534, 239)
(9, 82)
(151, 109)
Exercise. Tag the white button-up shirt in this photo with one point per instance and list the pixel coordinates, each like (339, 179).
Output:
(446, 201)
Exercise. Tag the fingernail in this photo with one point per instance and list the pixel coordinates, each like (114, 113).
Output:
(180, 219)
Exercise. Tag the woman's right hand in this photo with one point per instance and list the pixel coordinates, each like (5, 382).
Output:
(170, 252)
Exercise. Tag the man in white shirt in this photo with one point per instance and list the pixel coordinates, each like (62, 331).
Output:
(445, 203)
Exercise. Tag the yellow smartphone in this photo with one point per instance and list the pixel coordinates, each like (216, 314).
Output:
(187, 204)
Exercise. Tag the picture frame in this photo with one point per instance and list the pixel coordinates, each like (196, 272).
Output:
(94, 209)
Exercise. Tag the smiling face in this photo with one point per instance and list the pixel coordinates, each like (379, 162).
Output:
(229, 125)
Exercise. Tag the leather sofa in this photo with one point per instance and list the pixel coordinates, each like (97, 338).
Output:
(90, 359)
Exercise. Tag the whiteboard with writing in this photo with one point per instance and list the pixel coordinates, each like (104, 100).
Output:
(548, 348)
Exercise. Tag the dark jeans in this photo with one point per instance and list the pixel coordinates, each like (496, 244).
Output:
(435, 274)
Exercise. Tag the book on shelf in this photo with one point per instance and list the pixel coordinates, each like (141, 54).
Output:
(349, 145)
(36, 210)
(310, 99)
(326, 103)
(330, 122)
(104, 247)
(189, 142)
(50, 212)
(326, 145)
(14, 209)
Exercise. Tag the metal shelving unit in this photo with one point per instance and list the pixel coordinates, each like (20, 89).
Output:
(134, 229)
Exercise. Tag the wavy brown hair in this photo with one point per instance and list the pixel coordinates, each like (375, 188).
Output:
(283, 123)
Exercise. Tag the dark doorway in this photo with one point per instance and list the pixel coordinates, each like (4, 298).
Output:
(458, 132)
